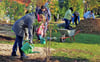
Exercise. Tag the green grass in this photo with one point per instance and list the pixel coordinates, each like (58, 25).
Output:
(98, 16)
(6, 42)
(85, 46)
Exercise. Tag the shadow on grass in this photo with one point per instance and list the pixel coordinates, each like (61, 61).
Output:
(17, 59)
(52, 59)
(6, 38)
(65, 59)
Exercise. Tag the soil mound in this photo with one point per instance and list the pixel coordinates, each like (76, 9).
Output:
(89, 26)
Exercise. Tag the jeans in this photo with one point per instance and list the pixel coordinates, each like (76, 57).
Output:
(75, 20)
(18, 42)
(38, 36)
(67, 23)
(85, 18)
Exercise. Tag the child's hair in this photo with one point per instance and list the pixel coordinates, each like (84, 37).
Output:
(42, 17)
(42, 7)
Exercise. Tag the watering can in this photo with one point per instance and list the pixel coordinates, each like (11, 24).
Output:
(27, 48)
(42, 40)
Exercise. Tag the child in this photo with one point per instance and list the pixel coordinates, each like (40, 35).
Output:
(40, 30)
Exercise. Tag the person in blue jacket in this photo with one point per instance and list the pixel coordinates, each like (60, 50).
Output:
(89, 14)
(19, 27)
(75, 17)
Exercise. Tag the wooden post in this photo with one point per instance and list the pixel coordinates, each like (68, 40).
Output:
(48, 46)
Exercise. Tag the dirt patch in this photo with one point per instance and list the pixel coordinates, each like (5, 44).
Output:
(89, 26)
(5, 54)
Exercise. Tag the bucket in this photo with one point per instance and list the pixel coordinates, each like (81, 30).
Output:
(42, 40)
(27, 48)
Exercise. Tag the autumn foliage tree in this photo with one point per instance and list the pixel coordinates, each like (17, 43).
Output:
(13, 9)
(77, 6)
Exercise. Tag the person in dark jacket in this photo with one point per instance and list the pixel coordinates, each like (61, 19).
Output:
(45, 12)
(19, 29)
(75, 18)
(40, 11)
(36, 10)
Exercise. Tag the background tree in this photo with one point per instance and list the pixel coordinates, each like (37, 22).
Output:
(13, 9)
(2, 10)
(93, 5)
(76, 4)
(54, 7)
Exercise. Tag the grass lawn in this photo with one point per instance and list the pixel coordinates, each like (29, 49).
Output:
(98, 16)
(85, 47)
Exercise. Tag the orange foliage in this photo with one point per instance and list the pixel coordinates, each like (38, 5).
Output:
(40, 3)
(26, 2)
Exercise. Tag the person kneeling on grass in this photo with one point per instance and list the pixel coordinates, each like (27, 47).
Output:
(19, 27)
(89, 14)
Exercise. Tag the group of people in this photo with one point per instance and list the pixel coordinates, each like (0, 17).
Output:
(26, 23)
(74, 18)
(43, 17)
(69, 17)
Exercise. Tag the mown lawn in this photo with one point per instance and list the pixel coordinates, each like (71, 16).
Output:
(85, 47)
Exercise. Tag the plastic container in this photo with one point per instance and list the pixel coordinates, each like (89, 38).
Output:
(27, 48)
(42, 41)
